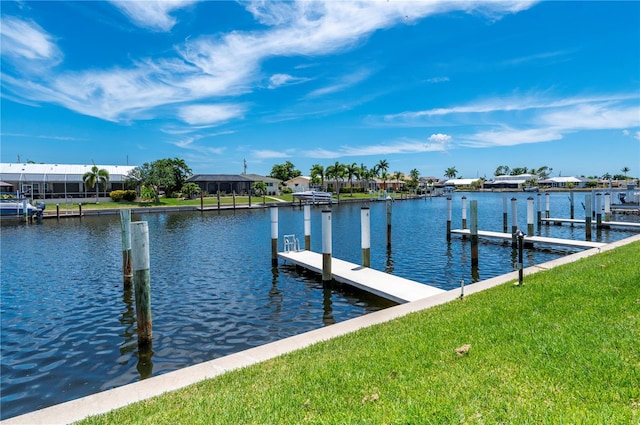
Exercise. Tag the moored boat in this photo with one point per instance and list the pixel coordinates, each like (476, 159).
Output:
(15, 207)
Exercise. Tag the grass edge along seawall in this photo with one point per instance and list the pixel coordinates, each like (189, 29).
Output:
(562, 348)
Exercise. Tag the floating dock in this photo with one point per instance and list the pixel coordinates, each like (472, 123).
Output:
(593, 222)
(382, 284)
(533, 239)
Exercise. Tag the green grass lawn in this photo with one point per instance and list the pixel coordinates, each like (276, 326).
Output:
(564, 348)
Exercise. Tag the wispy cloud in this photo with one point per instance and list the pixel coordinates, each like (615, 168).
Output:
(25, 43)
(404, 146)
(270, 154)
(541, 118)
(344, 82)
(152, 14)
(279, 80)
(210, 114)
(206, 66)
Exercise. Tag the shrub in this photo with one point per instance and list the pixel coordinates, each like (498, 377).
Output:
(116, 195)
(130, 195)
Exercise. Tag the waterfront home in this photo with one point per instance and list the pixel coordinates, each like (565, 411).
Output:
(49, 181)
(464, 184)
(299, 184)
(512, 182)
(234, 183)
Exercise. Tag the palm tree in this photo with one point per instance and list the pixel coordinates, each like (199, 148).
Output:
(336, 172)
(397, 175)
(317, 171)
(94, 177)
(384, 176)
(351, 170)
(450, 172)
(363, 175)
(382, 166)
(625, 170)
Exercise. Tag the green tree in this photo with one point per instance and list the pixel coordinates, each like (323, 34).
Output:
(518, 170)
(285, 171)
(351, 171)
(384, 176)
(335, 172)
(397, 176)
(168, 175)
(606, 176)
(450, 172)
(190, 189)
(501, 170)
(260, 188)
(381, 166)
(317, 174)
(625, 170)
(94, 177)
(414, 178)
(543, 172)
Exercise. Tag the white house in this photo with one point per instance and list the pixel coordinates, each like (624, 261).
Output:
(299, 184)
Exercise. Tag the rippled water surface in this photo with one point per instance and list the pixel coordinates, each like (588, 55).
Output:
(68, 327)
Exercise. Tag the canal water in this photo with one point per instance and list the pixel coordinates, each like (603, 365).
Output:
(68, 326)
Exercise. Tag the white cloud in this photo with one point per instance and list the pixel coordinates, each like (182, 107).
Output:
(278, 80)
(152, 14)
(637, 135)
(510, 137)
(404, 146)
(625, 132)
(345, 82)
(541, 117)
(435, 80)
(270, 154)
(210, 114)
(440, 138)
(224, 65)
(26, 41)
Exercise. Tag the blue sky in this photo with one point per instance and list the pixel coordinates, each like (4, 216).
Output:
(425, 85)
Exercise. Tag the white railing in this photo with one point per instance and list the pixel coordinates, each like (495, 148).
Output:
(291, 243)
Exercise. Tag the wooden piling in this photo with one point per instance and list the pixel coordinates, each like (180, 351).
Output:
(201, 201)
(326, 246)
(514, 222)
(57, 211)
(598, 210)
(587, 217)
(571, 207)
(274, 236)
(234, 199)
(474, 233)
(218, 196)
(539, 211)
(607, 206)
(505, 220)
(365, 236)
(530, 216)
(464, 212)
(307, 227)
(389, 207)
(80, 209)
(142, 280)
(449, 213)
(125, 230)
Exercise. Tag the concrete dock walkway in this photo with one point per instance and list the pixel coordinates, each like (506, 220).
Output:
(533, 239)
(385, 285)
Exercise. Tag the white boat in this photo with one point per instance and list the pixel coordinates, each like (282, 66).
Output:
(14, 207)
(313, 196)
